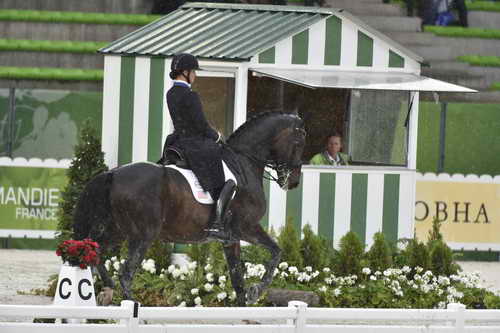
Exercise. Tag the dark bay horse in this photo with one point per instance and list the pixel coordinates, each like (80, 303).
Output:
(143, 201)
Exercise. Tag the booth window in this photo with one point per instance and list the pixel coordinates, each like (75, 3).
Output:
(378, 133)
(217, 96)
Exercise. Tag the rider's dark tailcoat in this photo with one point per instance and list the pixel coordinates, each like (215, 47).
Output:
(195, 137)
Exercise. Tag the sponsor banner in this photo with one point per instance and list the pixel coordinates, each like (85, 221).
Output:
(468, 207)
(29, 197)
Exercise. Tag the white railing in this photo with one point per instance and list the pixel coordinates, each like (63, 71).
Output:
(296, 318)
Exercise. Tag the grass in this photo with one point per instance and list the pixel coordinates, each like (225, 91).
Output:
(75, 17)
(477, 60)
(495, 86)
(487, 6)
(33, 73)
(463, 32)
(49, 46)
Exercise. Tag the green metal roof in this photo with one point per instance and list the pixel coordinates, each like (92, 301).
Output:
(218, 31)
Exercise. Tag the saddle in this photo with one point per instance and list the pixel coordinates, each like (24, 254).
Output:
(174, 156)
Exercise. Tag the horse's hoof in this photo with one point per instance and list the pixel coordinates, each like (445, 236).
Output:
(253, 293)
(105, 297)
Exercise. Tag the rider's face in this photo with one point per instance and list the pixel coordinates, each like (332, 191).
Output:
(192, 76)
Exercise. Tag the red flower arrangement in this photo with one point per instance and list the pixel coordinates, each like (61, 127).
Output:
(79, 253)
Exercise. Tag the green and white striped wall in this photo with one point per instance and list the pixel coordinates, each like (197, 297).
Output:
(135, 118)
(338, 42)
(336, 200)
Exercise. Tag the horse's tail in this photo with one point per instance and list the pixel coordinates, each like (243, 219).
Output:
(92, 214)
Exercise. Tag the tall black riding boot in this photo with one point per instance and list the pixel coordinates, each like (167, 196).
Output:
(217, 229)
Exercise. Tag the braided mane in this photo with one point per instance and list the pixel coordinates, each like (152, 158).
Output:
(251, 122)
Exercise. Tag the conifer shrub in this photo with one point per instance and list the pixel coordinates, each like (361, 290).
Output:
(289, 242)
(313, 249)
(379, 256)
(441, 259)
(349, 256)
(417, 254)
(88, 162)
(441, 256)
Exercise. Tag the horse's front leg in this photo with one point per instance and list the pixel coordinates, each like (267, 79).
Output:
(260, 237)
(236, 270)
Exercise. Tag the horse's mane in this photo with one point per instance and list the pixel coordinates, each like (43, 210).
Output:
(252, 121)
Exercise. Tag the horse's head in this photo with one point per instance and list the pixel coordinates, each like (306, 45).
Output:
(286, 153)
(275, 140)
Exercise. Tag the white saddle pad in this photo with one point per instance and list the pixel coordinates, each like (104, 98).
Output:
(198, 193)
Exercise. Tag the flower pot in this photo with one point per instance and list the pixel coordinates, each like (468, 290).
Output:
(75, 287)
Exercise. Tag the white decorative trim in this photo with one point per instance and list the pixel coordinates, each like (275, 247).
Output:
(111, 109)
(168, 126)
(342, 210)
(35, 162)
(349, 46)
(22, 233)
(458, 177)
(310, 200)
(277, 206)
(240, 96)
(283, 53)
(406, 210)
(141, 109)
(316, 47)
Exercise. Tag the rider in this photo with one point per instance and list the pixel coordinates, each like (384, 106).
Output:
(199, 142)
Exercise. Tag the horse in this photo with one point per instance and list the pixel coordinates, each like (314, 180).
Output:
(144, 201)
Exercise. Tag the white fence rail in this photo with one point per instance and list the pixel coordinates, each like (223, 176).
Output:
(296, 318)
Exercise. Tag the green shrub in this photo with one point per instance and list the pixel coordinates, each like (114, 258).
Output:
(478, 60)
(492, 301)
(495, 86)
(488, 6)
(75, 17)
(379, 256)
(211, 253)
(88, 162)
(441, 258)
(160, 252)
(289, 242)
(49, 46)
(350, 254)
(254, 254)
(312, 249)
(67, 74)
(416, 254)
(463, 32)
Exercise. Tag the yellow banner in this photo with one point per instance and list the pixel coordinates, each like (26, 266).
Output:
(469, 211)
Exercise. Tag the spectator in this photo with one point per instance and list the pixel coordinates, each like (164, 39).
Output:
(332, 155)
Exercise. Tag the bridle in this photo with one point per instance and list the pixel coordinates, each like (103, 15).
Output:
(284, 169)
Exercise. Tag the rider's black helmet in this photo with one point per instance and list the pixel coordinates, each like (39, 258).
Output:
(184, 61)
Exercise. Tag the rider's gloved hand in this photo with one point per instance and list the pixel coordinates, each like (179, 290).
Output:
(220, 139)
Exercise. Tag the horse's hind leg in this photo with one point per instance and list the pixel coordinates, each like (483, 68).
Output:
(136, 251)
(232, 252)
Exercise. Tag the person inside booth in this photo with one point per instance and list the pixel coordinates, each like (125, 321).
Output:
(332, 155)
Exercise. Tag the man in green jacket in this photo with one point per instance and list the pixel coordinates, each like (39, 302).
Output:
(332, 155)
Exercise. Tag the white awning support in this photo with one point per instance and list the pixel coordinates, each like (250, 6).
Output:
(361, 80)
